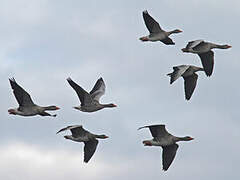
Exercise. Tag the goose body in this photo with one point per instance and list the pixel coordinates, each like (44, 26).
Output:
(79, 134)
(204, 51)
(189, 75)
(26, 105)
(156, 32)
(90, 101)
(167, 141)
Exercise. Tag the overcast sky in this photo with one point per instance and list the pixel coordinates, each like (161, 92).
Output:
(43, 42)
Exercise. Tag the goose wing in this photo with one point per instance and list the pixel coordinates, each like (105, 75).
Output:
(23, 98)
(77, 130)
(98, 89)
(152, 25)
(84, 96)
(89, 149)
(168, 41)
(177, 72)
(168, 155)
(193, 44)
(157, 130)
(207, 62)
(190, 83)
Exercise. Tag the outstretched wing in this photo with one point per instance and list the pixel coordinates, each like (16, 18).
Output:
(152, 25)
(89, 149)
(84, 97)
(190, 83)
(77, 130)
(23, 98)
(207, 62)
(168, 155)
(157, 130)
(193, 44)
(98, 89)
(168, 41)
(177, 72)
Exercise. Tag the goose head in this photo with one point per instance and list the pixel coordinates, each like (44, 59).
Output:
(102, 136)
(147, 143)
(51, 108)
(186, 138)
(225, 46)
(12, 111)
(177, 31)
(110, 105)
(145, 38)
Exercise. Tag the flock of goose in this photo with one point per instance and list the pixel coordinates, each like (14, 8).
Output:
(90, 101)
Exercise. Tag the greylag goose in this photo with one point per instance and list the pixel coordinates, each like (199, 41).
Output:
(156, 32)
(81, 135)
(167, 141)
(26, 105)
(189, 76)
(90, 101)
(203, 49)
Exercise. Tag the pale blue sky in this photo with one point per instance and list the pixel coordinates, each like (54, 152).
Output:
(43, 42)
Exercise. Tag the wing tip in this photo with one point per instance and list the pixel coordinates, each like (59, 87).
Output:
(141, 128)
(145, 12)
(12, 79)
(164, 169)
(187, 98)
(208, 73)
(58, 131)
(69, 79)
(151, 126)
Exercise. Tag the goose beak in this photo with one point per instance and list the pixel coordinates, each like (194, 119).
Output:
(57, 108)
(147, 143)
(143, 38)
(11, 111)
(229, 46)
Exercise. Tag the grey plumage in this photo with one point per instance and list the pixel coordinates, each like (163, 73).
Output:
(203, 49)
(161, 137)
(90, 101)
(79, 134)
(189, 75)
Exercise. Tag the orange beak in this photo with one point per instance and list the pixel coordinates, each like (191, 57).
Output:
(57, 108)
(147, 143)
(229, 46)
(143, 38)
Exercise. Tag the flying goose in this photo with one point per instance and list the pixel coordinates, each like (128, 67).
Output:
(90, 101)
(156, 32)
(81, 135)
(26, 105)
(167, 141)
(189, 75)
(203, 49)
